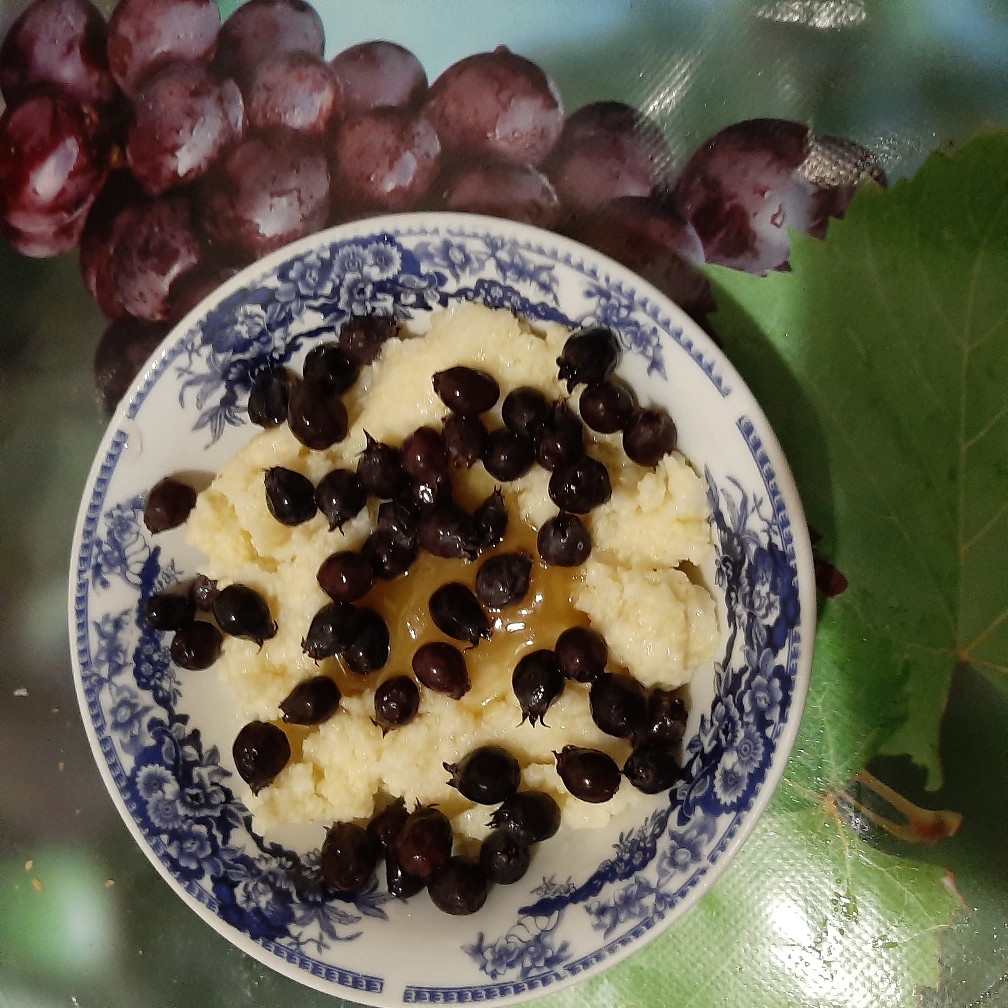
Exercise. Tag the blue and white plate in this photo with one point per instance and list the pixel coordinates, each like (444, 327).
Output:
(162, 737)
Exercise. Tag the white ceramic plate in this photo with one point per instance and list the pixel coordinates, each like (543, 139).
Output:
(162, 737)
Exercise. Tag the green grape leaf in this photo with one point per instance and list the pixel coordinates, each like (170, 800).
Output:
(807, 916)
(881, 360)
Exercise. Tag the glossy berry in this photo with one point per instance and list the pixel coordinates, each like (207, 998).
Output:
(466, 390)
(311, 702)
(508, 455)
(491, 519)
(537, 681)
(589, 774)
(328, 367)
(379, 468)
(349, 857)
(441, 667)
(425, 454)
(588, 357)
(203, 591)
(316, 416)
(618, 704)
(399, 520)
(504, 857)
(424, 843)
(396, 702)
(269, 397)
(533, 816)
(456, 612)
(385, 825)
(648, 436)
(666, 716)
(346, 576)
(331, 630)
(240, 611)
(564, 541)
(461, 888)
(503, 579)
(398, 881)
(168, 504)
(466, 439)
(196, 645)
(606, 407)
(449, 531)
(582, 653)
(340, 496)
(526, 411)
(261, 750)
(580, 486)
(389, 555)
(652, 767)
(168, 610)
(290, 496)
(487, 775)
(369, 646)
(363, 337)
(562, 440)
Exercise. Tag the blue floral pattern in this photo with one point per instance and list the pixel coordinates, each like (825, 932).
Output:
(171, 780)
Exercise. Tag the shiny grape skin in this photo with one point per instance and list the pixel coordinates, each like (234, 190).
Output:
(533, 816)
(241, 611)
(318, 418)
(369, 647)
(504, 857)
(650, 237)
(563, 438)
(331, 629)
(166, 610)
(496, 104)
(260, 750)
(385, 825)
(196, 645)
(491, 519)
(503, 579)
(537, 681)
(396, 702)
(121, 353)
(582, 653)
(348, 857)
(652, 767)
(588, 357)
(447, 530)
(340, 496)
(379, 74)
(441, 667)
(580, 486)
(168, 504)
(460, 888)
(526, 411)
(383, 160)
(588, 774)
(260, 29)
(516, 192)
(466, 390)
(466, 439)
(424, 454)
(311, 702)
(456, 612)
(60, 43)
(607, 406)
(293, 90)
(362, 337)
(607, 150)
(153, 245)
(487, 775)
(346, 576)
(649, 435)
(269, 397)
(53, 163)
(183, 121)
(618, 705)
(326, 365)
(270, 190)
(144, 35)
(379, 468)
(290, 496)
(424, 843)
(564, 541)
(744, 188)
(508, 455)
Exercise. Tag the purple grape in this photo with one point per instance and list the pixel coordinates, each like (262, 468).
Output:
(533, 816)
(607, 150)
(588, 356)
(502, 189)
(340, 496)
(456, 612)
(293, 90)
(503, 579)
(268, 191)
(496, 104)
(168, 610)
(618, 704)
(504, 857)
(466, 439)
(582, 653)
(377, 75)
(261, 29)
(384, 160)
(564, 541)
(362, 337)
(144, 35)
(607, 406)
(61, 43)
(290, 496)
(183, 120)
(652, 767)
(153, 244)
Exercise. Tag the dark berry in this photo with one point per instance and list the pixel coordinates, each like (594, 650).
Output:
(331, 630)
(168, 504)
(648, 436)
(503, 579)
(340, 496)
(491, 519)
(562, 439)
(461, 888)
(537, 681)
(396, 702)
(589, 774)
(666, 716)
(389, 555)
(582, 653)
(606, 407)
(363, 337)
(269, 397)
(349, 857)
(328, 367)
(260, 751)
(379, 468)
(456, 612)
(398, 881)
(652, 767)
(526, 411)
(425, 454)
(424, 843)
(580, 485)
(169, 610)
(369, 647)
(240, 611)
(311, 702)
(564, 541)
(290, 496)
(449, 531)
(441, 667)
(533, 816)
(385, 825)
(618, 704)
(487, 775)
(466, 439)
(466, 390)
(197, 645)
(588, 357)
(316, 416)
(346, 576)
(504, 857)
(203, 590)
(508, 455)
(399, 521)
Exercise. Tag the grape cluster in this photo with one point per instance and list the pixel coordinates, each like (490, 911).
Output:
(115, 134)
